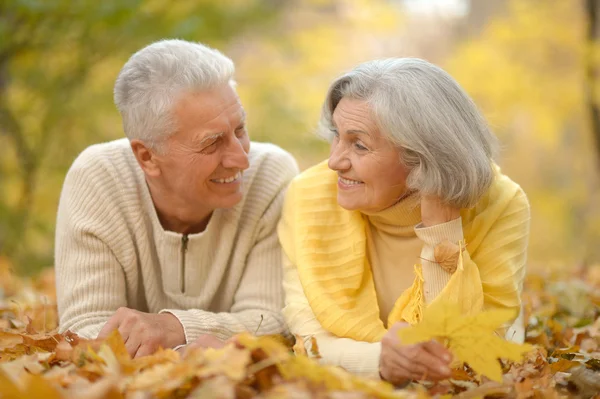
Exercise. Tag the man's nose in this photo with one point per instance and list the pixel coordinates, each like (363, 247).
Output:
(236, 156)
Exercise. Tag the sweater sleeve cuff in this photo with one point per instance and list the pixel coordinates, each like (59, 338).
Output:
(180, 314)
(194, 325)
(434, 276)
(433, 235)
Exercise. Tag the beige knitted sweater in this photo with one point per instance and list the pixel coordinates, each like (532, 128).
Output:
(111, 250)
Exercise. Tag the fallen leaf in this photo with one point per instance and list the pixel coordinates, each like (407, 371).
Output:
(472, 339)
(563, 365)
(446, 254)
(299, 348)
(8, 340)
(314, 348)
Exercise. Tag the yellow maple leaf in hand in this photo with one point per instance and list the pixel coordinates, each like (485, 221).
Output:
(471, 339)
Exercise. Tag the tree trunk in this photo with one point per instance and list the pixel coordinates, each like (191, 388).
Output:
(591, 73)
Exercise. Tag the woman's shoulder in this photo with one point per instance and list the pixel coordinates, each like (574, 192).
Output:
(504, 198)
(317, 173)
(314, 188)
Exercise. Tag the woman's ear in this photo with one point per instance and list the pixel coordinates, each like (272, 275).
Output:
(146, 158)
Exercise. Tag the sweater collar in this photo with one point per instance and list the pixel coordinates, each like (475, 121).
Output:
(399, 218)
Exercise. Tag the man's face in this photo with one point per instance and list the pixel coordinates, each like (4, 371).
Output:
(204, 159)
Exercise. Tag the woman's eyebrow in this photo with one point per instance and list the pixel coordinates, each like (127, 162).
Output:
(357, 131)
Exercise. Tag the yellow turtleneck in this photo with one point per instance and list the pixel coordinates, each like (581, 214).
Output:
(392, 248)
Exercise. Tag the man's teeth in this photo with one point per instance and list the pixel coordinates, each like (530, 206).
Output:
(228, 179)
(349, 182)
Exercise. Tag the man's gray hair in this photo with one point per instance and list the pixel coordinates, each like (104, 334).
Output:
(443, 138)
(151, 81)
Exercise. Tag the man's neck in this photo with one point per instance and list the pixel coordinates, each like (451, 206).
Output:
(173, 216)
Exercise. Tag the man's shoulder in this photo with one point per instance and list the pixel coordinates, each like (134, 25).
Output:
(271, 154)
(105, 159)
(107, 170)
(270, 165)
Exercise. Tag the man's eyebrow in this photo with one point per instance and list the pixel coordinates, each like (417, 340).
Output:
(243, 118)
(210, 138)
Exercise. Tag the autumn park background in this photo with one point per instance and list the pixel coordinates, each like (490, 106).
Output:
(531, 66)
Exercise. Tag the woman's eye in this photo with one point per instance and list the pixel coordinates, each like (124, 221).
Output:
(360, 146)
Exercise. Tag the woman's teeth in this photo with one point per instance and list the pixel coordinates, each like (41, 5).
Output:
(228, 179)
(349, 182)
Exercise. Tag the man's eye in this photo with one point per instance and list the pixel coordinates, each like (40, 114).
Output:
(360, 146)
(210, 148)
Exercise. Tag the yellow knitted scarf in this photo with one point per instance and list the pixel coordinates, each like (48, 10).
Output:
(328, 245)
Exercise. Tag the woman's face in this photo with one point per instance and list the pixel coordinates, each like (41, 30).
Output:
(370, 174)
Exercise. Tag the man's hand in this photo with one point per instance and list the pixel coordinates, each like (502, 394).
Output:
(434, 211)
(399, 363)
(144, 333)
(205, 341)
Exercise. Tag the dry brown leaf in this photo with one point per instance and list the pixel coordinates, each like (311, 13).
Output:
(314, 348)
(299, 348)
(446, 254)
(563, 365)
(8, 340)
(46, 342)
(63, 351)
(490, 388)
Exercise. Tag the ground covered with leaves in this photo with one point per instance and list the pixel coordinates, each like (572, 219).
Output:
(562, 311)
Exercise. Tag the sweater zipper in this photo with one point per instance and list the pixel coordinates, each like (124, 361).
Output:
(184, 242)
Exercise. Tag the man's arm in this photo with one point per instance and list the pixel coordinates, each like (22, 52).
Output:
(90, 281)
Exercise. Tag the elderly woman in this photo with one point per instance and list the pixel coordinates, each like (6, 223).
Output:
(411, 169)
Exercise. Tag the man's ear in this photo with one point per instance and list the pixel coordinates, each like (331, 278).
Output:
(146, 158)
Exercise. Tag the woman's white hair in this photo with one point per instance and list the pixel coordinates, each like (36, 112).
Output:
(151, 81)
(443, 138)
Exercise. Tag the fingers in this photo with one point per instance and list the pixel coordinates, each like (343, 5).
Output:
(436, 368)
(133, 343)
(415, 362)
(145, 349)
(111, 325)
(438, 350)
(207, 341)
(114, 322)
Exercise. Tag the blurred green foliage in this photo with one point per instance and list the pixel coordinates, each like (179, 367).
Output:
(524, 66)
(58, 62)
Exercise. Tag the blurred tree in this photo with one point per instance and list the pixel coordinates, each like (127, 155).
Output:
(284, 78)
(527, 70)
(58, 62)
(591, 67)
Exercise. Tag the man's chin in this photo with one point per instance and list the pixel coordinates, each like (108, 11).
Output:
(230, 201)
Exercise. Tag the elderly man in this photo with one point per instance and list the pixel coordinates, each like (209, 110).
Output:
(169, 235)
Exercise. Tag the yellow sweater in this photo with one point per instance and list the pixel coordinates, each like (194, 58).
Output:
(329, 284)
(395, 241)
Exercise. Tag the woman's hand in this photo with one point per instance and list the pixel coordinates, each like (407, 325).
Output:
(400, 363)
(435, 211)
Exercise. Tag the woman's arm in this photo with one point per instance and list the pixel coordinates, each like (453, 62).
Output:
(361, 358)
